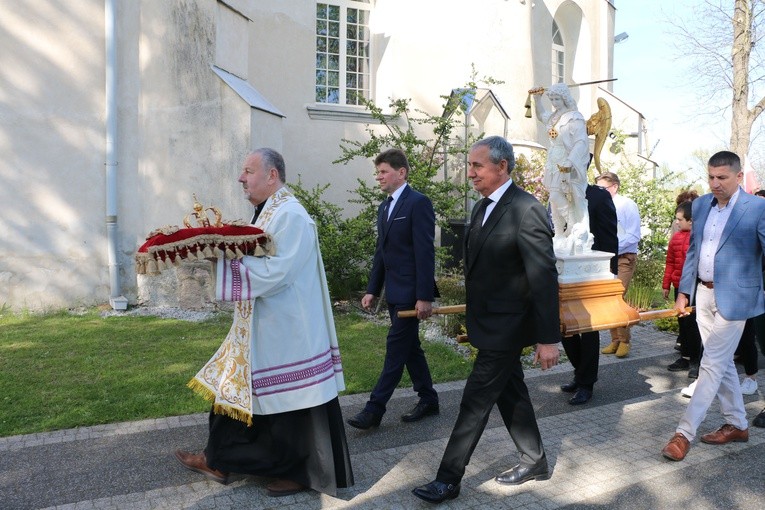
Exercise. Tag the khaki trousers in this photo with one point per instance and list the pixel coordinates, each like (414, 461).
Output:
(626, 268)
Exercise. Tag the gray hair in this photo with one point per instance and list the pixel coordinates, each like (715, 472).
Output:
(562, 91)
(272, 159)
(499, 149)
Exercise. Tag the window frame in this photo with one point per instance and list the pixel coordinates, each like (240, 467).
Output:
(558, 56)
(343, 85)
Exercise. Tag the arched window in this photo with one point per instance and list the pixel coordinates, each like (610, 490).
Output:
(558, 55)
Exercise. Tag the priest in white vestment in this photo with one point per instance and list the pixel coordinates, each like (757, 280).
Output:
(274, 381)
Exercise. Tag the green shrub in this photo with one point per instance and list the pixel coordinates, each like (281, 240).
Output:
(451, 286)
(347, 244)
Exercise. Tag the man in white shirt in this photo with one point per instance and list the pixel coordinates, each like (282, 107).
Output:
(722, 272)
(628, 232)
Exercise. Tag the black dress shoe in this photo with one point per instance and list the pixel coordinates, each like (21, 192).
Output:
(437, 492)
(693, 371)
(759, 420)
(582, 396)
(679, 365)
(420, 411)
(569, 387)
(365, 420)
(520, 474)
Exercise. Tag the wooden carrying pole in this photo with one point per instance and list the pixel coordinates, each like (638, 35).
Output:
(649, 315)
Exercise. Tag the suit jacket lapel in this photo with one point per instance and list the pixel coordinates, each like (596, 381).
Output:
(386, 223)
(742, 204)
(700, 216)
(491, 222)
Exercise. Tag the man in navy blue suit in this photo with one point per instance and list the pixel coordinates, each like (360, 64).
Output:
(404, 261)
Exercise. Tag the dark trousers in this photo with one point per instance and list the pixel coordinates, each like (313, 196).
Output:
(402, 349)
(583, 352)
(689, 336)
(759, 331)
(747, 348)
(497, 378)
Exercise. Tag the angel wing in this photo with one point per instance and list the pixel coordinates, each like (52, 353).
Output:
(599, 124)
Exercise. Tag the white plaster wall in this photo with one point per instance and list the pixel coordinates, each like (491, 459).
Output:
(51, 170)
(181, 130)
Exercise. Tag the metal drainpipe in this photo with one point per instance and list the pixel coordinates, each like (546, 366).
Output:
(116, 300)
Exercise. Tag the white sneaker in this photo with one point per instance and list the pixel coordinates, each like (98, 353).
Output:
(748, 386)
(688, 392)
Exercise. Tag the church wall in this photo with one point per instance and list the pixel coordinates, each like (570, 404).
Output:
(182, 130)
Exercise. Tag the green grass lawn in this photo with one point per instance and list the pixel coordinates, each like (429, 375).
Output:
(61, 370)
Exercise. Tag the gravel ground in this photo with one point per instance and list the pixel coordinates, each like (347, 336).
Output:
(164, 312)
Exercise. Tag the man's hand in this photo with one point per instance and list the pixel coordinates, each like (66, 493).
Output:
(367, 301)
(666, 293)
(424, 309)
(547, 355)
(680, 304)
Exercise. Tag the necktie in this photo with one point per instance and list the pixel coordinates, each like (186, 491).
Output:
(475, 228)
(481, 214)
(386, 209)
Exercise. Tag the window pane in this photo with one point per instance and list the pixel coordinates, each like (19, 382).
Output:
(333, 79)
(321, 94)
(334, 62)
(333, 96)
(321, 44)
(321, 11)
(353, 16)
(352, 32)
(321, 61)
(321, 77)
(334, 46)
(351, 47)
(350, 64)
(363, 17)
(321, 27)
(350, 80)
(363, 34)
(351, 97)
(556, 36)
(334, 29)
(333, 13)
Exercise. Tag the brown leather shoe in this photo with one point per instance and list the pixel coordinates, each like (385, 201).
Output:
(677, 448)
(198, 462)
(726, 434)
(284, 487)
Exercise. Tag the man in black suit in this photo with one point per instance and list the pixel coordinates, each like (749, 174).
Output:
(583, 350)
(404, 261)
(512, 301)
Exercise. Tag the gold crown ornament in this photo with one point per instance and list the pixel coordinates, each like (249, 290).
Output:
(201, 215)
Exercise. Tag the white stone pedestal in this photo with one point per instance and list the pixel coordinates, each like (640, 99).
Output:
(584, 267)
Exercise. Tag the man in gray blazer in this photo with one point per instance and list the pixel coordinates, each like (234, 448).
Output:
(723, 273)
(511, 288)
